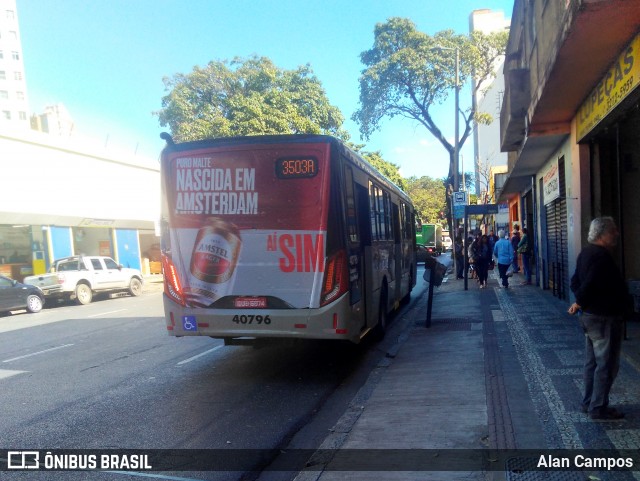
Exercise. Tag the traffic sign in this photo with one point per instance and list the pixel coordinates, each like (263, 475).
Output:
(460, 198)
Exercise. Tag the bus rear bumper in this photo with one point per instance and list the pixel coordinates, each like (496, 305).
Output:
(335, 321)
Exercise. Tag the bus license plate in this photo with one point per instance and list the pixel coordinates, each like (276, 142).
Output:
(250, 302)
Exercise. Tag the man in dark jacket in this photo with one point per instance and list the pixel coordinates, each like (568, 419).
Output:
(458, 249)
(515, 240)
(601, 296)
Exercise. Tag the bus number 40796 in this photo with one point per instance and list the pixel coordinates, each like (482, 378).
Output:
(251, 319)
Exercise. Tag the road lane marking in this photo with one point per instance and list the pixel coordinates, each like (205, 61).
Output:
(5, 373)
(105, 313)
(37, 353)
(200, 355)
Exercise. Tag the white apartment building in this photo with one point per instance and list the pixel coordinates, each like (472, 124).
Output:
(60, 195)
(14, 105)
(486, 138)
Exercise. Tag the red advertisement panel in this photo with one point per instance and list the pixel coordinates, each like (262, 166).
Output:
(249, 221)
(262, 188)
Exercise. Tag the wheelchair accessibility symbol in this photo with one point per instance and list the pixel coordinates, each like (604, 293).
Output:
(189, 323)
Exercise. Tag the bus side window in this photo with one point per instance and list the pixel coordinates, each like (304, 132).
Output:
(352, 219)
(396, 222)
(389, 221)
(364, 215)
(374, 208)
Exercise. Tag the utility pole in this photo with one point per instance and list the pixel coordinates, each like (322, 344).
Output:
(456, 152)
(456, 145)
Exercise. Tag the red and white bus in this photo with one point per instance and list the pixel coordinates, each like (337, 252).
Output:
(285, 236)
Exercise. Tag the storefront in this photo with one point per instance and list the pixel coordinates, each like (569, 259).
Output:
(16, 251)
(608, 125)
(31, 249)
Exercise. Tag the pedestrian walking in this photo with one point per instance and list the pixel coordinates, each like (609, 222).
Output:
(515, 240)
(602, 299)
(524, 249)
(472, 252)
(458, 250)
(484, 256)
(492, 240)
(503, 250)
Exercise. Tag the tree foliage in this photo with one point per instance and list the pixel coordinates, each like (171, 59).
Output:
(407, 72)
(247, 97)
(429, 199)
(390, 170)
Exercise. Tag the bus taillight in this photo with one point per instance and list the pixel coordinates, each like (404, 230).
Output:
(336, 278)
(172, 285)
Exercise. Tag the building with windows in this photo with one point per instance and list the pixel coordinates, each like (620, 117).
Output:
(488, 99)
(570, 121)
(62, 196)
(55, 120)
(14, 105)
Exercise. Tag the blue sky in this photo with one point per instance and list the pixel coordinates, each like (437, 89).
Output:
(105, 60)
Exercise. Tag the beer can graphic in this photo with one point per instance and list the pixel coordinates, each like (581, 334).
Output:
(213, 262)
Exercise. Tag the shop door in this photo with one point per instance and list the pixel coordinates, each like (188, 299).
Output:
(528, 216)
(557, 245)
(128, 248)
(60, 242)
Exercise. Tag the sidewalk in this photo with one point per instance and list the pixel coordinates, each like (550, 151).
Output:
(497, 370)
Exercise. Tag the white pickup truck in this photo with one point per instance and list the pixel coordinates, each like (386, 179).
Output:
(79, 277)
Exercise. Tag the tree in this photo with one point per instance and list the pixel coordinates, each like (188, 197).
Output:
(428, 196)
(407, 72)
(247, 97)
(390, 170)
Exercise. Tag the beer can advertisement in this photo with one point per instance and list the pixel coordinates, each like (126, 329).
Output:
(250, 222)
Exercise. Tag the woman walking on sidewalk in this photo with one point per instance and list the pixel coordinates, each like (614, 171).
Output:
(473, 253)
(601, 295)
(482, 263)
(503, 250)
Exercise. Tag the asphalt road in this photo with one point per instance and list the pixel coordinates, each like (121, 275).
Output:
(107, 376)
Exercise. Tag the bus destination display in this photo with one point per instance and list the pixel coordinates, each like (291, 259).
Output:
(296, 168)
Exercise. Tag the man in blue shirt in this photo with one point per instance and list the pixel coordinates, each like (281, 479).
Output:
(503, 250)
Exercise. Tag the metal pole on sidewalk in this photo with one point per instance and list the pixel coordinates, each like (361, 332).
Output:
(432, 270)
(466, 264)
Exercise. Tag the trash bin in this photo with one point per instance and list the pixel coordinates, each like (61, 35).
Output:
(434, 271)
